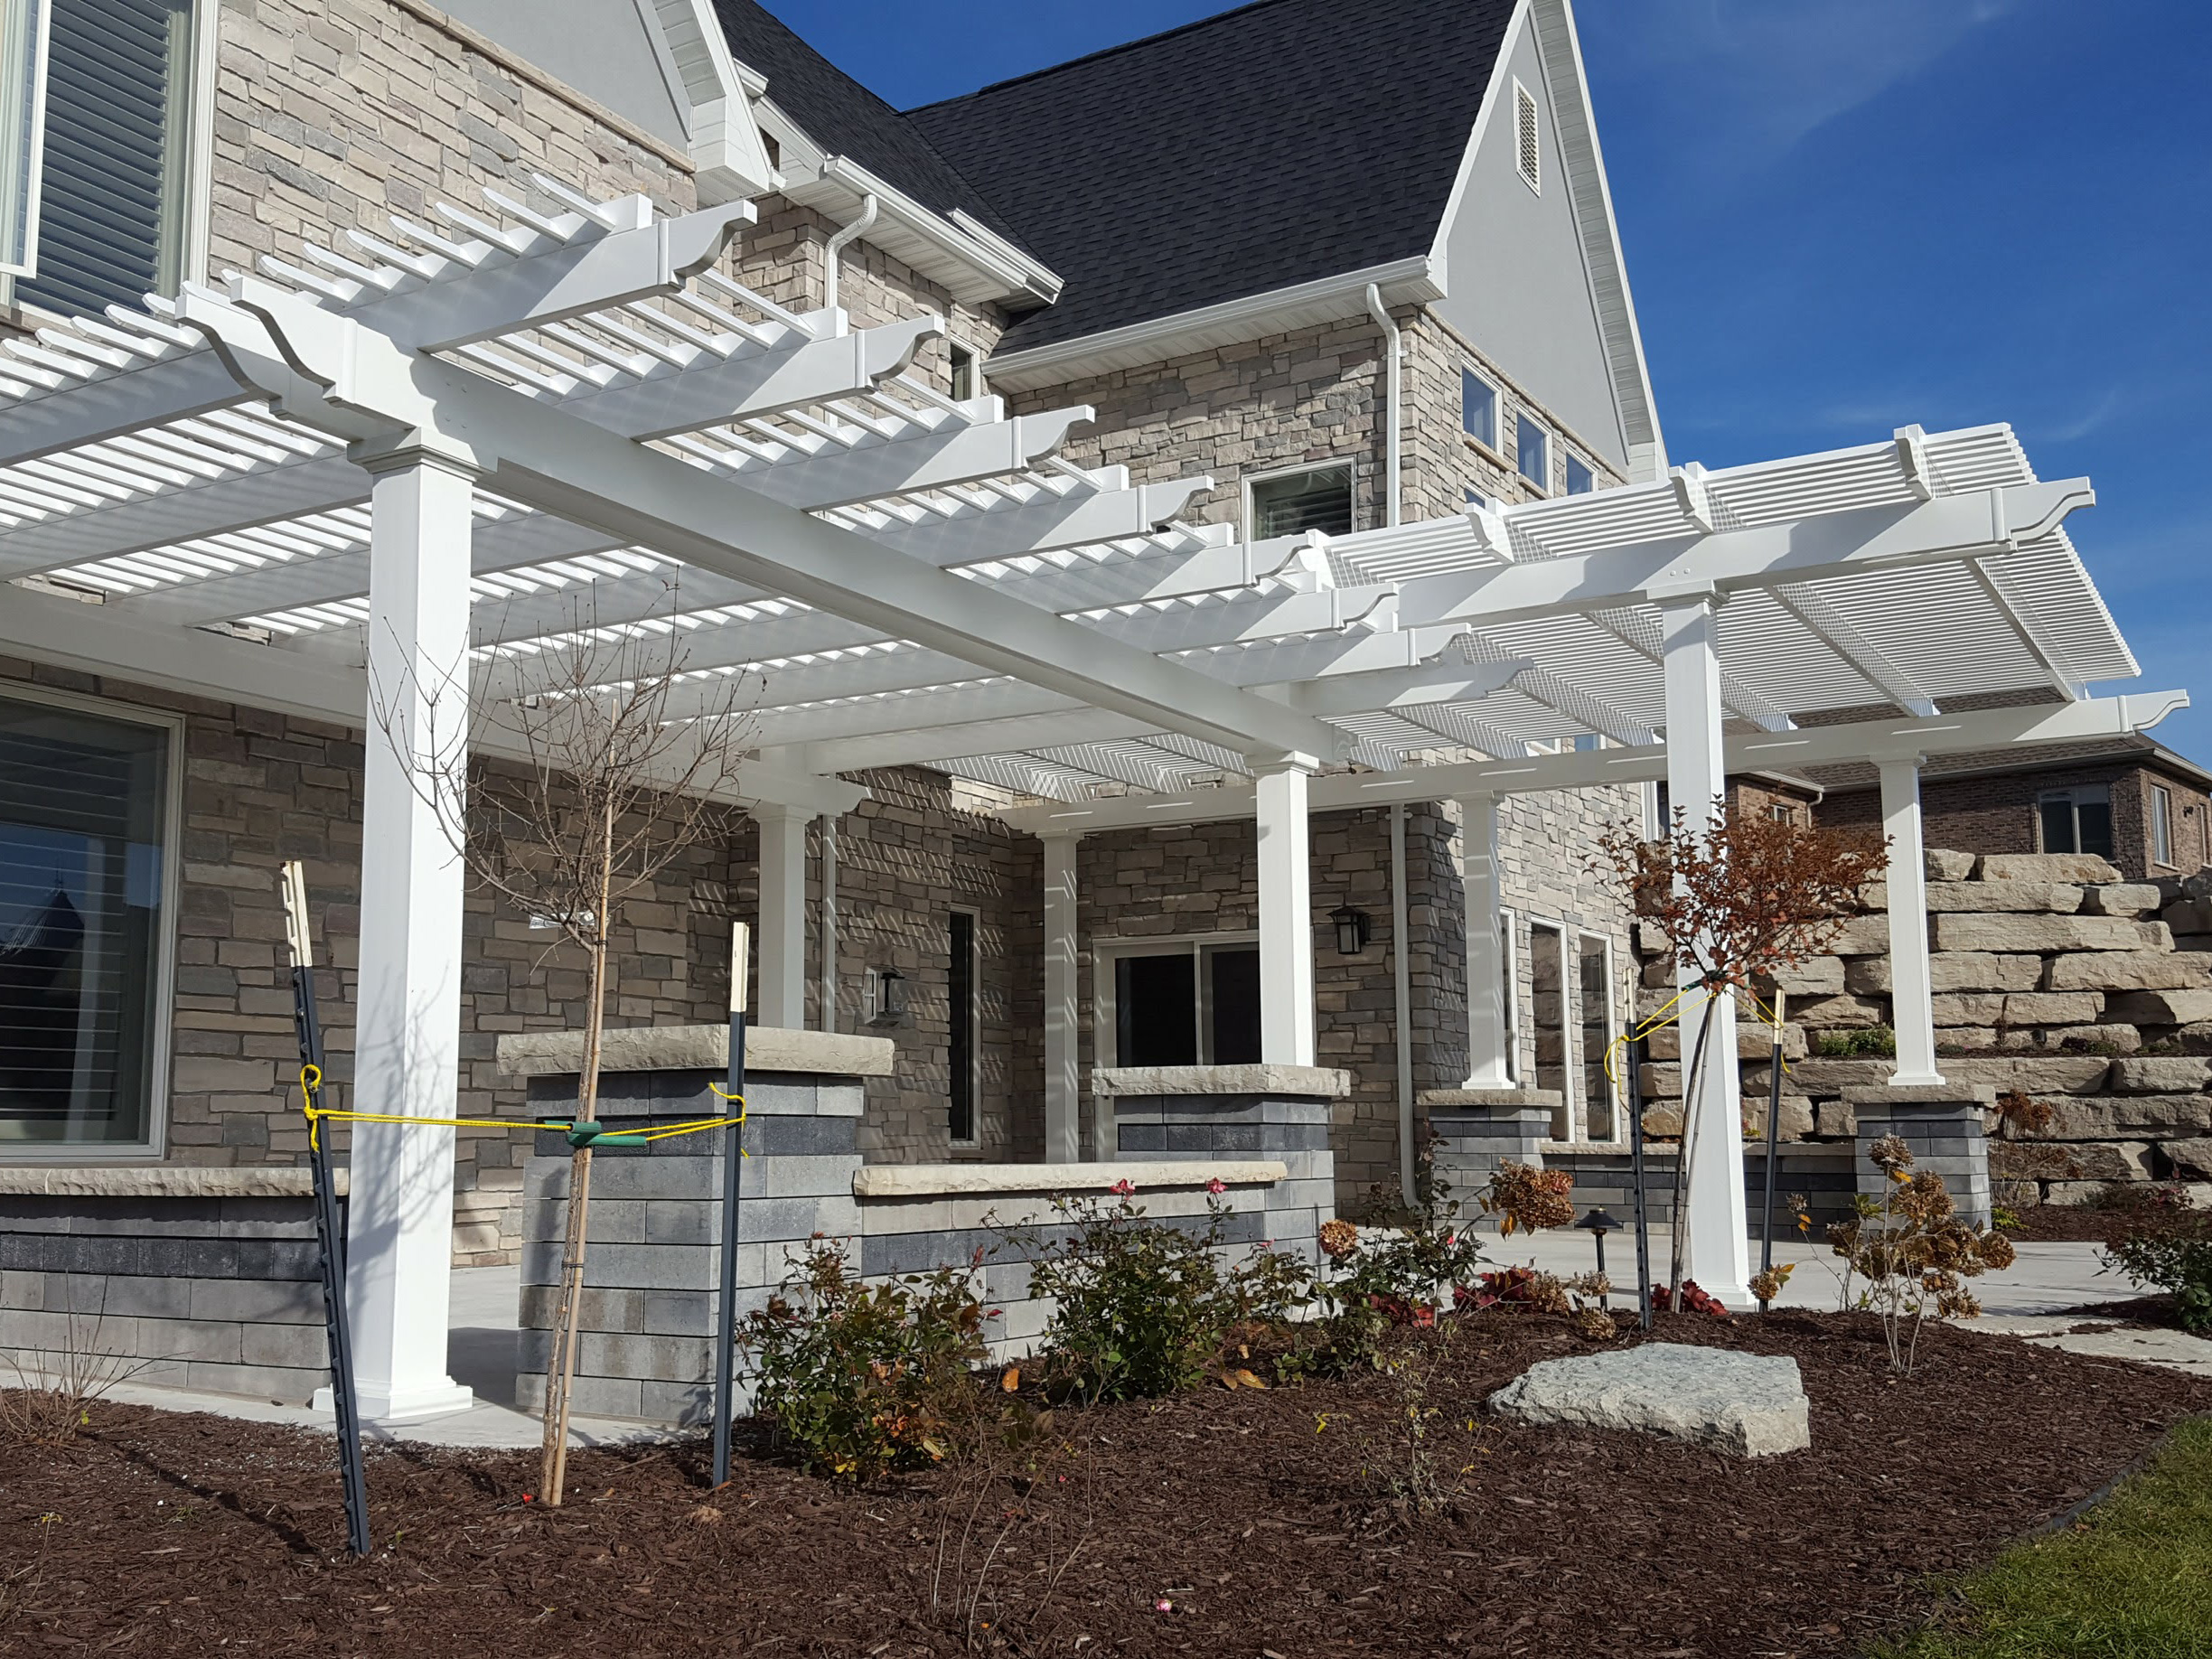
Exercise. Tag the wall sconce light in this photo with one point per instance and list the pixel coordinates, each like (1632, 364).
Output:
(1350, 930)
(887, 996)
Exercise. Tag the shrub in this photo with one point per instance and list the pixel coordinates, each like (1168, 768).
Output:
(1399, 1277)
(863, 1379)
(1868, 1041)
(1532, 1199)
(2020, 1114)
(1914, 1250)
(2176, 1258)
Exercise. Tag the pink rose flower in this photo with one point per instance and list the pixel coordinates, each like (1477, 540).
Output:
(1125, 1189)
(1217, 1186)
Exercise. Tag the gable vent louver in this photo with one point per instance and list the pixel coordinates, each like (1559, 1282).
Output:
(1526, 133)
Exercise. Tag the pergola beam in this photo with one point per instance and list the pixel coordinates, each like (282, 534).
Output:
(1859, 653)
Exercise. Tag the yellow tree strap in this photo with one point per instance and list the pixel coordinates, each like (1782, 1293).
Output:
(311, 1084)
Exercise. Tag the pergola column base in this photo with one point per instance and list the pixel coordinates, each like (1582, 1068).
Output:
(1941, 1125)
(1480, 1130)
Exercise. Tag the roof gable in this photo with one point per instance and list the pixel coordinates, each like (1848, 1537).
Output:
(1283, 143)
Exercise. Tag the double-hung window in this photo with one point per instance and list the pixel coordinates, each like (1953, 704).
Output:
(1532, 451)
(1478, 408)
(1580, 480)
(95, 199)
(1311, 499)
(1192, 1002)
(2161, 825)
(2077, 820)
(86, 814)
(963, 1016)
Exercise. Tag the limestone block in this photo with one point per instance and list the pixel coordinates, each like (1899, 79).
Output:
(2162, 1008)
(2159, 1074)
(2046, 867)
(2038, 1074)
(1875, 894)
(1754, 1040)
(2044, 898)
(1748, 1405)
(1975, 1009)
(2128, 970)
(1967, 931)
(2133, 1117)
(2188, 915)
(1861, 936)
(2071, 1160)
(1827, 1076)
(1956, 970)
(1816, 976)
(1944, 866)
(1797, 1117)
(1649, 939)
(2053, 1008)
(1837, 1013)
(2110, 1038)
(2190, 1158)
(2124, 898)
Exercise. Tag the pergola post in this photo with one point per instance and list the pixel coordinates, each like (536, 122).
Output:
(1489, 1039)
(1715, 1250)
(1062, 1119)
(408, 1033)
(1911, 985)
(782, 914)
(1286, 915)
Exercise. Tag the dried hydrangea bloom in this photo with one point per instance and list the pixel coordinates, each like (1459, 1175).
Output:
(1339, 1238)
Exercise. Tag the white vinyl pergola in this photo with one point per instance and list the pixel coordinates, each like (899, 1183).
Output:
(423, 456)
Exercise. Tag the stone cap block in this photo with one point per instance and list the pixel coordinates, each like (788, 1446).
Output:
(697, 1048)
(2047, 867)
(1921, 1094)
(951, 1180)
(1325, 1081)
(161, 1181)
(1540, 1099)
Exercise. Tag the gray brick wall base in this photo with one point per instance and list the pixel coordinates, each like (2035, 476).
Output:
(1944, 1132)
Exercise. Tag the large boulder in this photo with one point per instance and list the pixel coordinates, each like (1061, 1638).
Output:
(2192, 1158)
(2037, 1074)
(1950, 970)
(2132, 1117)
(1748, 1405)
(1941, 865)
(2126, 898)
(2053, 1008)
(2162, 1008)
(2159, 1074)
(1959, 932)
(2069, 1160)
(2128, 970)
(2047, 867)
(2043, 897)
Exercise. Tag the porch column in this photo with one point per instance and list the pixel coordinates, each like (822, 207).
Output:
(1489, 1051)
(1715, 1248)
(1063, 1120)
(1286, 915)
(1911, 987)
(782, 914)
(408, 1034)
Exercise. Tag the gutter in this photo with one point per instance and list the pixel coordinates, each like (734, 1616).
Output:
(838, 243)
(1401, 970)
(1393, 485)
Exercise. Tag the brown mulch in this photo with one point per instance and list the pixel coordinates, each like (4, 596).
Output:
(2062, 1223)
(2162, 1311)
(1263, 1519)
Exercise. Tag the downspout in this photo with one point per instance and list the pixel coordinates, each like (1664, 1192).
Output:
(838, 243)
(826, 1000)
(1391, 440)
(1402, 969)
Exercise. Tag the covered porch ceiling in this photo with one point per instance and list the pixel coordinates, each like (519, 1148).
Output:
(917, 580)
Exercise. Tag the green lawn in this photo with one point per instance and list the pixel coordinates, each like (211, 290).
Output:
(2133, 1580)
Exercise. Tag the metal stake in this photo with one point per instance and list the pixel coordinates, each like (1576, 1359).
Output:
(1773, 1139)
(733, 1195)
(329, 1233)
(1636, 1164)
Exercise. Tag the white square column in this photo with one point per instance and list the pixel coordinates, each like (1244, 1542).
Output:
(1489, 1039)
(1716, 1250)
(782, 941)
(1062, 1119)
(407, 1035)
(1911, 981)
(1286, 916)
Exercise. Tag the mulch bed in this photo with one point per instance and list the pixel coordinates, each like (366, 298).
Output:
(2060, 1223)
(1268, 1530)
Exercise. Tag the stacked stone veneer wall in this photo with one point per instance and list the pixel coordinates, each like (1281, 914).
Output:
(2052, 978)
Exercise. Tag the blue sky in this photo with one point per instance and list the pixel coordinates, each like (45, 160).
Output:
(1841, 216)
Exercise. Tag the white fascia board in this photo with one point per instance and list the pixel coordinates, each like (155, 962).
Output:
(1410, 281)
(1990, 728)
(725, 141)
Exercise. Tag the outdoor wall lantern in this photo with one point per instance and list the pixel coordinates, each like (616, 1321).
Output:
(1598, 1223)
(888, 998)
(1350, 930)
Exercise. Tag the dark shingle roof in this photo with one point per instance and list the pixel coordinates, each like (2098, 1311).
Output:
(1279, 144)
(844, 116)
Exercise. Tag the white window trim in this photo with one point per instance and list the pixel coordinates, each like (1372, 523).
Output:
(1106, 1019)
(976, 388)
(1528, 164)
(155, 1144)
(1304, 468)
(1616, 1095)
(1498, 412)
(975, 1023)
(1570, 1049)
(2162, 827)
(1510, 931)
(1541, 486)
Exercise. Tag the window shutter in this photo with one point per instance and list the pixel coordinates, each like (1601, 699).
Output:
(112, 122)
(1526, 132)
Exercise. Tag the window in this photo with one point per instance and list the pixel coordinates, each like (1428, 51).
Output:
(2161, 825)
(1478, 408)
(1548, 1019)
(961, 1015)
(112, 202)
(84, 880)
(22, 91)
(964, 377)
(1195, 1003)
(1290, 503)
(1600, 1014)
(2077, 820)
(1782, 812)
(1579, 481)
(1527, 158)
(1532, 451)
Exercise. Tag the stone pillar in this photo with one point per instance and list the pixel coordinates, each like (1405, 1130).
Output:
(1911, 990)
(1489, 1039)
(408, 1033)
(1943, 1127)
(1062, 1117)
(1479, 1130)
(1285, 917)
(1715, 1253)
(782, 914)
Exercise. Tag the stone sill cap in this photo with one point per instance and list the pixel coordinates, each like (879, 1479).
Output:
(697, 1048)
(1921, 1094)
(1132, 1081)
(949, 1180)
(159, 1181)
(1543, 1100)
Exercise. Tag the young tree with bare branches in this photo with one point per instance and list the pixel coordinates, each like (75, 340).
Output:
(620, 753)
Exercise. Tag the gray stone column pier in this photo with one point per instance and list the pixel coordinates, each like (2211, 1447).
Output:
(1941, 1124)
